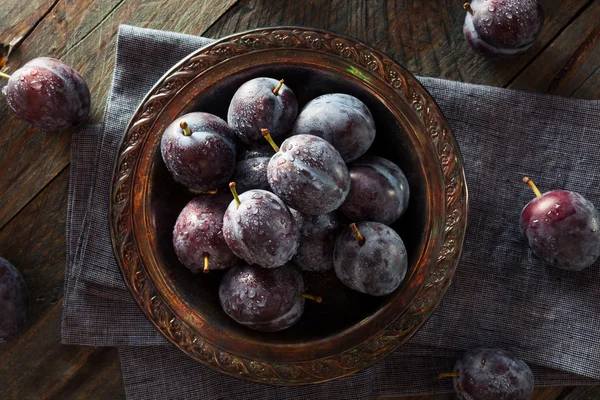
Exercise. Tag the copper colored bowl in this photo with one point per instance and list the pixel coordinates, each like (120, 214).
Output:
(348, 331)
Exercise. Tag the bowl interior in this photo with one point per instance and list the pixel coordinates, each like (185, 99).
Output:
(342, 309)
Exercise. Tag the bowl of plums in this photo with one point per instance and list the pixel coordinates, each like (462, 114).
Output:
(288, 205)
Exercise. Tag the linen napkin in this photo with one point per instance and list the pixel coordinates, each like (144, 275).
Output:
(501, 295)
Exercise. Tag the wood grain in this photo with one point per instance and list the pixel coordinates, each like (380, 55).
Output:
(84, 37)
(569, 62)
(35, 365)
(20, 18)
(582, 393)
(426, 37)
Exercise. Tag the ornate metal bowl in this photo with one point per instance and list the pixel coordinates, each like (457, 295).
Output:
(348, 331)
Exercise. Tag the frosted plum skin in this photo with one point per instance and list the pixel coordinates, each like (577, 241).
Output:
(492, 374)
(199, 231)
(267, 300)
(254, 107)
(379, 191)
(342, 120)
(378, 266)
(261, 230)
(562, 228)
(317, 240)
(309, 175)
(205, 160)
(49, 94)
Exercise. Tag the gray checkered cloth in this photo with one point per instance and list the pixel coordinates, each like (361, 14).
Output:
(501, 296)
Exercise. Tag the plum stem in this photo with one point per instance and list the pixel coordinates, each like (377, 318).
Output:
(467, 6)
(537, 192)
(278, 88)
(5, 76)
(445, 375)
(312, 297)
(234, 192)
(361, 238)
(186, 129)
(206, 269)
(194, 191)
(267, 135)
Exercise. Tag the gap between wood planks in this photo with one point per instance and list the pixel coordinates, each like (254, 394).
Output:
(109, 13)
(35, 25)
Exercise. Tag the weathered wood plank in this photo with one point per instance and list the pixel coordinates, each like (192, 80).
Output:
(18, 18)
(35, 365)
(582, 393)
(551, 393)
(569, 61)
(590, 89)
(24, 171)
(427, 39)
(83, 36)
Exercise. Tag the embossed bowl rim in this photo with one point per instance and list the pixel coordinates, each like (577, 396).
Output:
(351, 360)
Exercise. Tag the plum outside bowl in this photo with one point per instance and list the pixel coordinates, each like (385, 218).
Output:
(349, 331)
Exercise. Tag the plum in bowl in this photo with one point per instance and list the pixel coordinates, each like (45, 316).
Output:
(348, 331)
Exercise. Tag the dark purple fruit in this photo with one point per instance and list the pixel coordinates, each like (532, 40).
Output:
(247, 153)
(562, 228)
(251, 173)
(199, 151)
(378, 191)
(267, 300)
(492, 374)
(342, 120)
(309, 174)
(262, 103)
(317, 240)
(370, 258)
(48, 94)
(198, 234)
(502, 28)
(13, 301)
(259, 228)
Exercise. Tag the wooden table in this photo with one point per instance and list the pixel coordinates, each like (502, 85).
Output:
(425, 36)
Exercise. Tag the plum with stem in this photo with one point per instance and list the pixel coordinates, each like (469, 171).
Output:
(562, 228)
(198, 234)
(267, 300)
(199, 151)
(309, 174)
(48, 94)
(370, 258)
(491, 374)
(262, 103)
(259, 228)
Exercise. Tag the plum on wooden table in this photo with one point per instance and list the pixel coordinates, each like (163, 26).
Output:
(48, 94)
